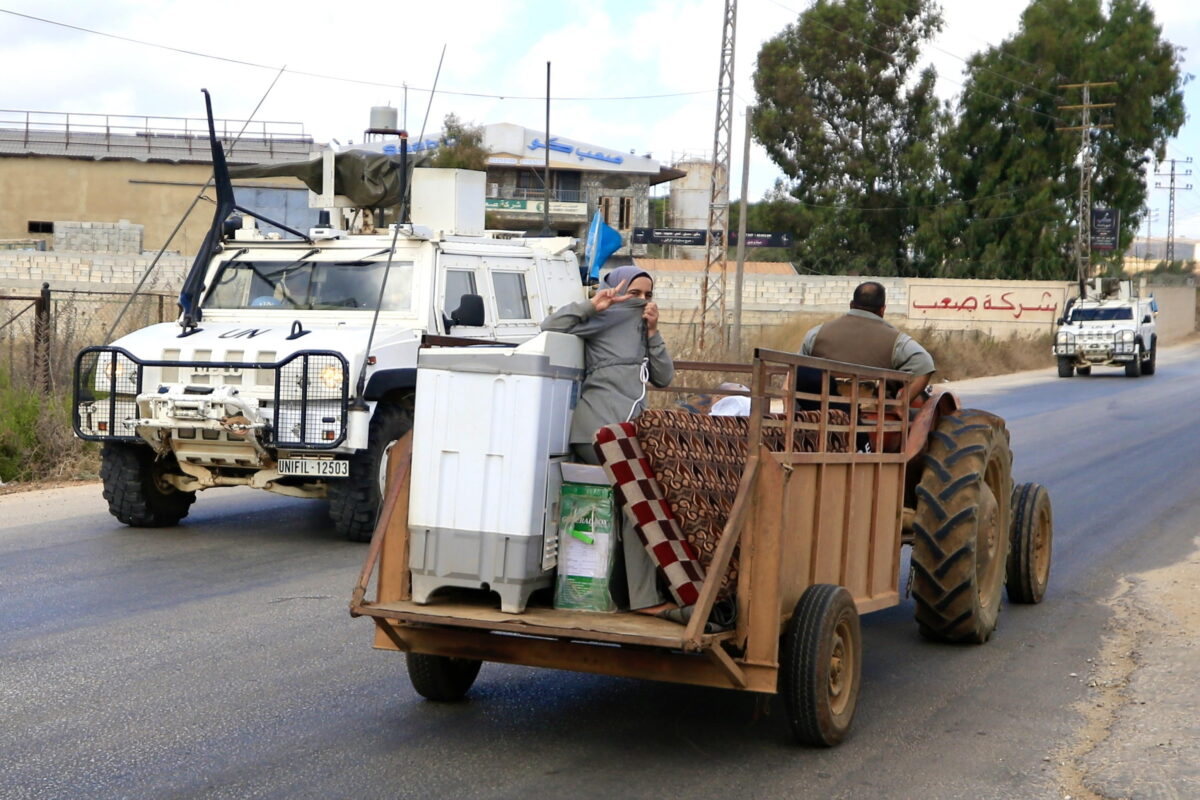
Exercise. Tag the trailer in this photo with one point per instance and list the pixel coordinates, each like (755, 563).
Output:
(838, 477)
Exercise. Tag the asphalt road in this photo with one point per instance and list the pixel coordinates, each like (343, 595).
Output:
(217, 659)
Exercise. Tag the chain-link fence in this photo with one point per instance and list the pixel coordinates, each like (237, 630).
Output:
(41, 332)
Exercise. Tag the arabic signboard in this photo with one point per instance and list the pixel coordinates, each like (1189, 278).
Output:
(1002, 302)
(696, 238)
(515, 206)
(763, 239)
(686, 236)
(1106, 226)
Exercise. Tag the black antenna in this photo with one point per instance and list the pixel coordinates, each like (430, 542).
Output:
(360, 401)
(193, 287)
(145, 275)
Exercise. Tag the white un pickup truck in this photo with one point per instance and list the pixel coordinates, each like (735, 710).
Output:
(1112, 327)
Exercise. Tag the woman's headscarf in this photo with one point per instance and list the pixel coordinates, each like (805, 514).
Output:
(627, 273)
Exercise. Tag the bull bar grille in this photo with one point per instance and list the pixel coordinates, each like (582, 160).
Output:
(311, 393)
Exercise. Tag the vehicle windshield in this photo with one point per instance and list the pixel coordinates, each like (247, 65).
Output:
(311, 285)
(1101, 314)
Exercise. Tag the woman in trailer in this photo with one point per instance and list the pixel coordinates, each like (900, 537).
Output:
(623, 349)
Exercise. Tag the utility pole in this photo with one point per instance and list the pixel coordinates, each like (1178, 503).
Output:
(712, 288)
(739, 278)
(1151, 218)
(1083, 241)
(546, 231)
(1172, 188)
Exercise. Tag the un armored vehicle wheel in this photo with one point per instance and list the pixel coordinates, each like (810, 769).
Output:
(961, 527)
(1066, 367)
(1133, 369)
(442, 678)
(355, 501)
(1032, 541)
(135, 489)
(1151, 362)
(820, 665)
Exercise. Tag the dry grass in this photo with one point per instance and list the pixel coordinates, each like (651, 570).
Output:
(958, 354)
(36, 441)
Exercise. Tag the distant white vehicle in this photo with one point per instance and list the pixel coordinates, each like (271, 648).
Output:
(1109, 327)
(293, 365)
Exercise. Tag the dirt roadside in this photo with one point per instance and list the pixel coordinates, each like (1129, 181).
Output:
(1140, 737)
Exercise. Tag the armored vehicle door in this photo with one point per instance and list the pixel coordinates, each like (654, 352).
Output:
(459, 279)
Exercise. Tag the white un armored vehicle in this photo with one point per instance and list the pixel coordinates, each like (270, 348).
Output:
(292, 365)
(1112, 326)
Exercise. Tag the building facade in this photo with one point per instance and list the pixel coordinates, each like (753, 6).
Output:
(584, 178)
(76, 175)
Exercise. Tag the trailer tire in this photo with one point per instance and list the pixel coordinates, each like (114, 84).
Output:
(961, 527)
(441, 678)
(1066, 367)
(1032, 543)
(820, 665)
(1133, 369)
(355, 501)
(134, 487)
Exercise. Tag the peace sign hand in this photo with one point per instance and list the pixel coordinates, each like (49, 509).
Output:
(606, 297)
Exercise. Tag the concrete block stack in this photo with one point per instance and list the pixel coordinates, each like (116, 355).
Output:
(98, 237)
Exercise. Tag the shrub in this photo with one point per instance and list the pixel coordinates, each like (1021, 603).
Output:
(36, 441)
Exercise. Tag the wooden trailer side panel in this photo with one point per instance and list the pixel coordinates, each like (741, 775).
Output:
(815, 523)
(842, 526)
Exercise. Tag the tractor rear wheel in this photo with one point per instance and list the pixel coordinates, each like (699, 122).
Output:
(1032, 541)
(961, 527)
(442, 678)
(820, 665)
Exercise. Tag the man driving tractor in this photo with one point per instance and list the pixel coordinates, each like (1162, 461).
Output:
(862, 336)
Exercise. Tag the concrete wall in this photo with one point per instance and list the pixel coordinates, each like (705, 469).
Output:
(1000, 308)
(1176, 311)
(109, 272)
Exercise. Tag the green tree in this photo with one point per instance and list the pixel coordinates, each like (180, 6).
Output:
(461, 146)
(843, 113)
(1014, 175)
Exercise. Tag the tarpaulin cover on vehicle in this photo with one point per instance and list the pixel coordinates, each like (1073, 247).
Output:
(370, 180)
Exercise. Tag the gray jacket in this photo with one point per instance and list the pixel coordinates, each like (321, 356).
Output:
(615, 343)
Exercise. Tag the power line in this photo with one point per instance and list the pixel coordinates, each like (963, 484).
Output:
(341, 78)
(961, 201)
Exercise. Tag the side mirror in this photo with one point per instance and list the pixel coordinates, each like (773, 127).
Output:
(1062, 320)
(1146, 320)
(469, 311)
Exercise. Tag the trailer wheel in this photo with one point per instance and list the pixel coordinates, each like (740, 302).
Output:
(1133, 369)
(961, 527)
(441, 678)
(1083, 372)
(1066, 367)
(355, 501)
(1032, 541)
(134, 487)
(820, 665)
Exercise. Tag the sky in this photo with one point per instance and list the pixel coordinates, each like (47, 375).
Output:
(340, 61)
